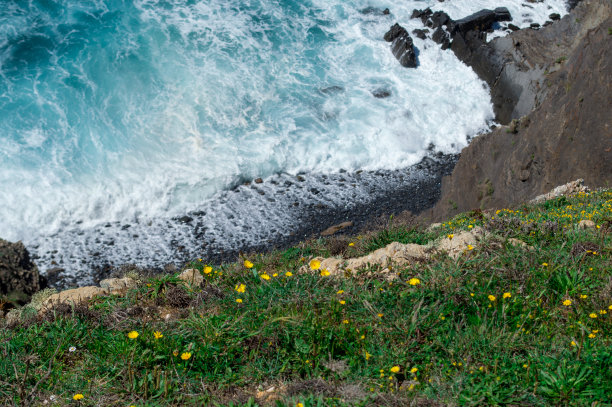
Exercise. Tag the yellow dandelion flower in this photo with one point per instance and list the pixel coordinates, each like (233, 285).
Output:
(351, 244)
(414, 281)
(395, 369)
(491, 298)
(506, 295)
(248, 264)
(592, 315)
(470, 247)
(583, 296)
(185, 355)
(265, 276)
(342, 302)
(592, 335)
(450, 236)
(299, 405)
(471, 294)
(78, 397)
(367, 356)
(239, 300)
(610, 307)
(567, 303)
(470, 226)
(240, 288)
(603, 312)
(414, 370)
(288, 274)
(545, 264)
(133, 335)
(573, 343)
(157, 335)
(275, 275)
(525, 366)
(340, 292)
(346, 321)
(175, 352)
(207, 270)
(380, 315)
(324, 273)
(315, 264)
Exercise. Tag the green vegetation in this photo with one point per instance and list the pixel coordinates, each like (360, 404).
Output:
(504, 324)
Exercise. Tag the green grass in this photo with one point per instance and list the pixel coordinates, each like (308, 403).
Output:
(453, 344)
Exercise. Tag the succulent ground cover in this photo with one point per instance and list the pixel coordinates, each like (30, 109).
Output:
(504, 324)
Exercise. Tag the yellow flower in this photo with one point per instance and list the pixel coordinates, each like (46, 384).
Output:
(133, 335)
(610, 307)
(240, 288)
(491, 298)
(346, 321)
(506, 295)
(603, 312)
(450, 236)
(315, 264)
(567, 303)
(207, 270)
(248, 264)
(157, 335)
(593, 315)
(351, 244)
(470, 226)
(342, 302)
(545, 264)
(78, 397)
(175, 352)
(414, 370)
(573, 343)
(265, 276)
(471, 294)
(470, 247)
(340, 292)
(395, 369)
(591, 335)
(414, 281)
(380, 315)
(367, 356)
(325, 273)
(583, 296)
(239, 300)
(299, 405)
(275, 275)
(185, 355)
(288, 274)
(525, 366)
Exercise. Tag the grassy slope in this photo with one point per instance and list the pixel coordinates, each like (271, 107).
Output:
(333, 341)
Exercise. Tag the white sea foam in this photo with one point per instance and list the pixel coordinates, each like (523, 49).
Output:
(203, 96)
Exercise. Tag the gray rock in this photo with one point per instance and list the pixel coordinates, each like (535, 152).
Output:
(18, 274)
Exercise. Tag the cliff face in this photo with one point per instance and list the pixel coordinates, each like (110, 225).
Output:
(561, 77)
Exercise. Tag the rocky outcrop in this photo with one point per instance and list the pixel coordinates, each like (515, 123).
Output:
(402, 46)
(18, 274)
(562, 78)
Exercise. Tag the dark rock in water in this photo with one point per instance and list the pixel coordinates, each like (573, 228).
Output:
(185, 219)
(513, 27)
(422, 14)
(54, 275)
(441, 37)
(534, 25)
(402, 46)
(440, 18)
(18, 274)
(481, 20)
(422, 34)
(381, 93)
(555, 16)
(331, 90)
(570, 4)
(375, 11)
(258, 181)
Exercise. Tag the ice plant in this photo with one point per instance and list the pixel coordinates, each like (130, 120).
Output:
(133, 335)
(315, 264)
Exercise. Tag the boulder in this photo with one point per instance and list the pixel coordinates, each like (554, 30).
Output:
(422, 34)
(481, 20)
(74, 296)
(192, 277)
(18, 274)
(117, 285)
(402, 46)
(336, 228)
